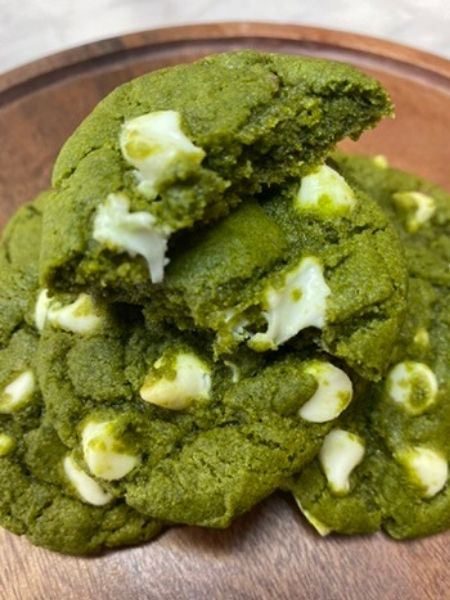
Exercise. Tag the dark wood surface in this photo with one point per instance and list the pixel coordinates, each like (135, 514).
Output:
(270, 553)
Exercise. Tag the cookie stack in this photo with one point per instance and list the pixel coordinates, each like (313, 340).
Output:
(208, 306)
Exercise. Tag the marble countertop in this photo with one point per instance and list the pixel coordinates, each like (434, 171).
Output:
(30, 29)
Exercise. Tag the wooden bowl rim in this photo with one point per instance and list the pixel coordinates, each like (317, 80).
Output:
(18, 81)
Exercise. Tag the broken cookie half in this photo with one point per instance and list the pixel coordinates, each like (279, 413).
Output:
(182, 147)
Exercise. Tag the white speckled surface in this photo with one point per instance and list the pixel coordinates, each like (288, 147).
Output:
(30, 29)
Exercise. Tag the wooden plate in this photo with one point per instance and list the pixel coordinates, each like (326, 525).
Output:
(270, 553)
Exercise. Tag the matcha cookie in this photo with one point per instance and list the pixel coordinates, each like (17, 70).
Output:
(44, 493)
(180, 437)
(315, 264)
(386, 463)
(183, 146)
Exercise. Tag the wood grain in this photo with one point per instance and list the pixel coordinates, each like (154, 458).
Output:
(270, 553)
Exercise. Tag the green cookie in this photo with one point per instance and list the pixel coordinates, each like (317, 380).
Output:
(180, 437)
(182, 147)
(386, 464)
(316, 264)
(40, 482)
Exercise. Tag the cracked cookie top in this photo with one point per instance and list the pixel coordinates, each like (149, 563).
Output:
(184, 146)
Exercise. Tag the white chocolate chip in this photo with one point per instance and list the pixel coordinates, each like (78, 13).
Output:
(380, 161)
(155, 143)
(7, 444)
(325, 193)
(332, 396)
(41, 309)
(17, 393)
(103, 451)
(413, 385)
(419, 207)
(191, 381)
(87, 488)
(341, 452)
(320, 527)
(298, 303)
(78, 317)
(135, 233)
(427, 469)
